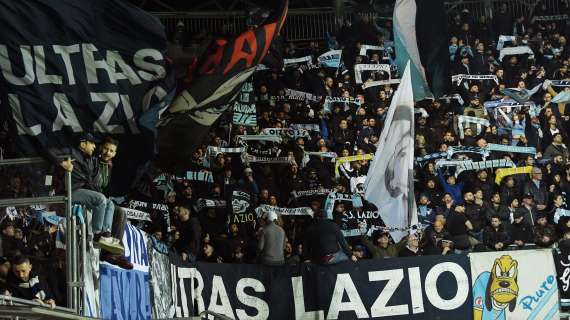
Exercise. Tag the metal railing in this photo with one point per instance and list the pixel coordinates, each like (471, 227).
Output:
(313, 24)
(74, 283)
(15, 308)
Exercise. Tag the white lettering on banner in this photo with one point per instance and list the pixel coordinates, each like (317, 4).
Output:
(65, 115)
(221, 303)
(565, 278)
(40, 62)
(344, 284)
(219, 292)
(299, 300)
(196, 290)
(65, 53)
(16, 107)
(8, 72)
(416, 290)
(111, 100)
(462, 286)
(43, 77)
(379, 308)
(251, 301)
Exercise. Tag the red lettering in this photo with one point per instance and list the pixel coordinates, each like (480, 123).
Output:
(213, 60)
(238, 54)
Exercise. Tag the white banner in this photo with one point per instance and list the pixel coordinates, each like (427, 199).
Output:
(388, 183)
(134, 214)
(515, 285)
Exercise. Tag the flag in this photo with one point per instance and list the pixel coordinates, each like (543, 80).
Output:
(212, 84)
(521, 95)
(420, 36)
(388, 182)
(73, 66)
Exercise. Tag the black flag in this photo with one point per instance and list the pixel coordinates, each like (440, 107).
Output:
(214, 82)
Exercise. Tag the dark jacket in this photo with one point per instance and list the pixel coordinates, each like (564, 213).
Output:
(322, 238)
(492, 236)
(540, 193)
(85, 168)
(34, 288)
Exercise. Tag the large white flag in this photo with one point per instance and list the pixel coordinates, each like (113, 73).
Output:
(387, 184)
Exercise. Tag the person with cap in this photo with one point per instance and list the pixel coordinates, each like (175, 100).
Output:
(380, 247)
(528, 208)
(248, 182)
(86, 190)
(272, 241)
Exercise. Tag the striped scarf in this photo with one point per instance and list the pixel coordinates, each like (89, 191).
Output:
(342, 160)
(302, 211)
(510, 149)
(306, 126)
(247, 159)
(308, 154)
(209, 203)
(212, 152)
(203, 176)
(501, 173)
(330, 100)
(432, 156)
(466, 149)
(468, 165)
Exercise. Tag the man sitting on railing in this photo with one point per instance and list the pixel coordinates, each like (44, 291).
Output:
(87, 190)
(25, 284)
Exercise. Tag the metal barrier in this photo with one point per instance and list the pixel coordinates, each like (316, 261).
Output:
(15, 308)
(74, 283)
(313, 24)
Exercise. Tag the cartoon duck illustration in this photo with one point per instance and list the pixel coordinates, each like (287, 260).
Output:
(494, 291)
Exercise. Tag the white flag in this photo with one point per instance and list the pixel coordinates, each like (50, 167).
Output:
(387, 183)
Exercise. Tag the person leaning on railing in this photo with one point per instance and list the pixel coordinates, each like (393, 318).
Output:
(86, 190)
(26, 284)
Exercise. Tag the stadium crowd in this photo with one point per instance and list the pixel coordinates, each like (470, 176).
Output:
(460, 210)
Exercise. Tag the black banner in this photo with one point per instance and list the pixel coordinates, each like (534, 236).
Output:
(84, 65)
(562, 262)
(435, 287)
(72, 66)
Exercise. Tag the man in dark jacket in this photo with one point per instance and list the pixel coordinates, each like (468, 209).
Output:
(25, 284)
(537, 188)
(520, 231)
(188, 245)
(495, 237)
(325, 244)
(84, 168)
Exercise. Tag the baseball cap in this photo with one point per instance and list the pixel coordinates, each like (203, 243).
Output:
(86, 136)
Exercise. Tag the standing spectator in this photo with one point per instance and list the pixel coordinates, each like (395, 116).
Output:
(437, 240)
(495, 237)
(325, 244)
(271, 245)
(458, 227)
(537, 189)
(520, 231)
(188, 245)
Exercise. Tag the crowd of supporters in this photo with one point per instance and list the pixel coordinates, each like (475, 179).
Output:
(459, 210)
